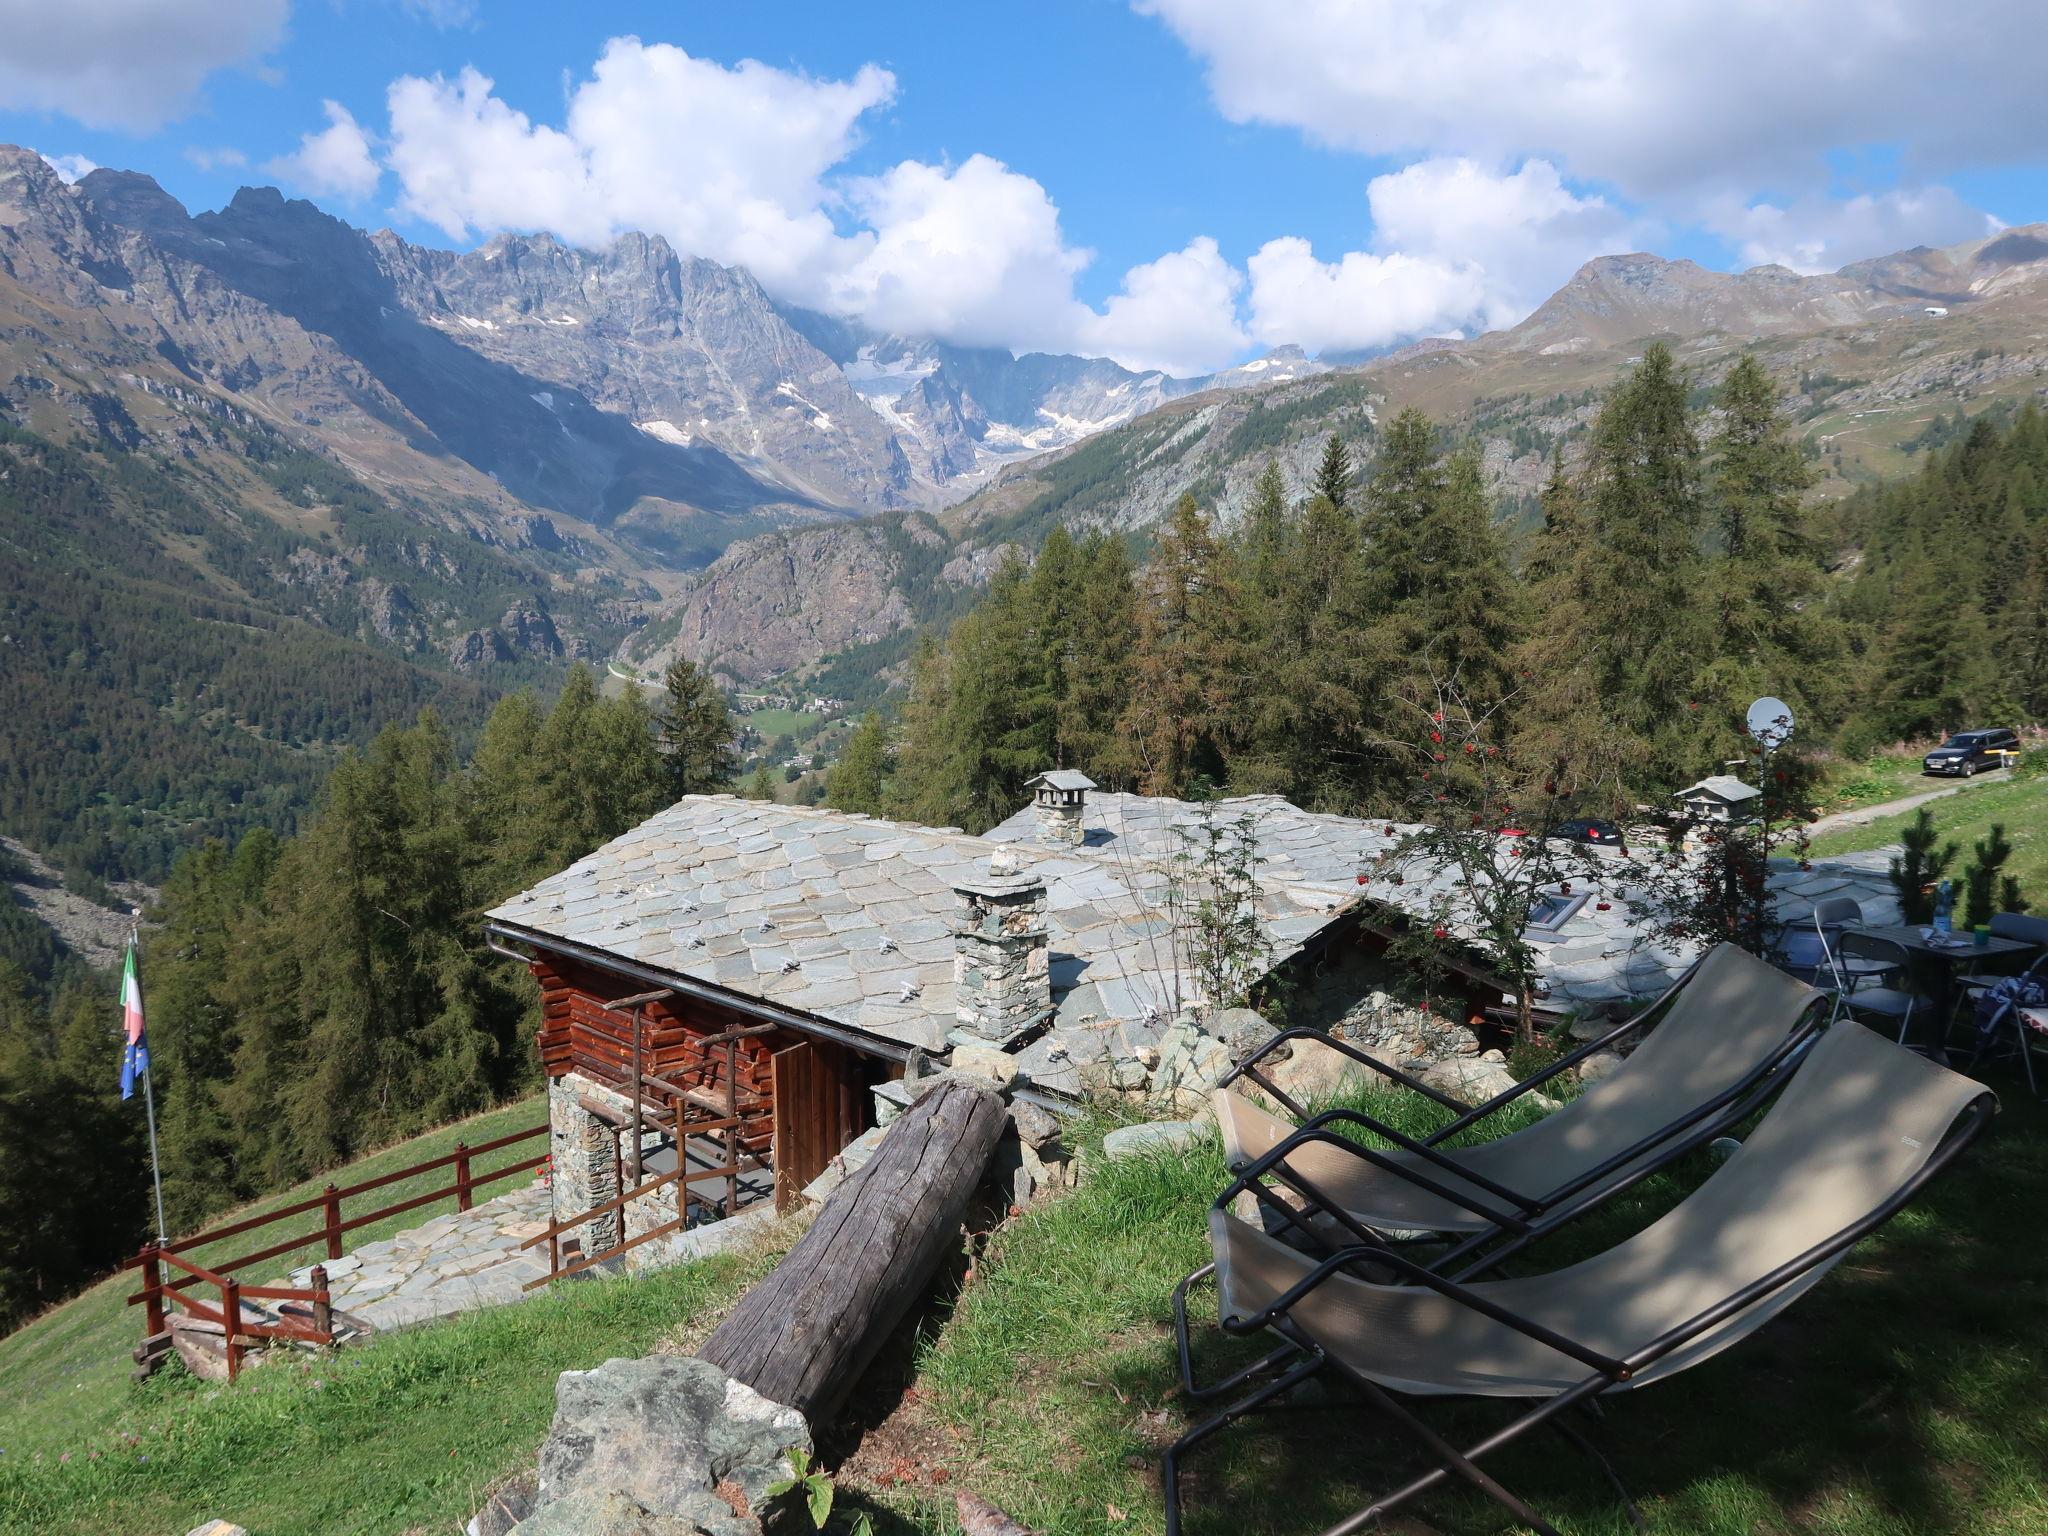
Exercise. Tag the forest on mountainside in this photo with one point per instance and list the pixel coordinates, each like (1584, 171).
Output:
(175, 671)
(310, 997)
(1678, 572)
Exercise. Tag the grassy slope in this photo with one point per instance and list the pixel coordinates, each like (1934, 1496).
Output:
(2021, 806)
(64, 1376)
(1903, 1396)
(404, 1434)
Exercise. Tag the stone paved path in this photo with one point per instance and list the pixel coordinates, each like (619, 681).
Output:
(452, 1263)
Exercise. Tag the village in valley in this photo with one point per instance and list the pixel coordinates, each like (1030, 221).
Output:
(743, 795)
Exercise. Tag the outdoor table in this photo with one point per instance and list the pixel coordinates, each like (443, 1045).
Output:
(1962, 946)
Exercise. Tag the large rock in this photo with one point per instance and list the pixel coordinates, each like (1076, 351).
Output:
(1472, 1079)
(1158, 1136)
(641, 1448)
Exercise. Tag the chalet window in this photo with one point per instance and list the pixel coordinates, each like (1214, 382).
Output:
(1550, 911)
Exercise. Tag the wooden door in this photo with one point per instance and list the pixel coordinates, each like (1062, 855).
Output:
(816, 1113)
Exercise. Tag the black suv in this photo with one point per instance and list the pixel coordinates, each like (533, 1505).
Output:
(1972, 752)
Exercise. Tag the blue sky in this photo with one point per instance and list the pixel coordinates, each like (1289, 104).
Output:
(1177, 183)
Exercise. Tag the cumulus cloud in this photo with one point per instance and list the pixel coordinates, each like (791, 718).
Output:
(70, 168)
(1819, 234)
(737, 164)
(1654, 100)
(126, 64)
(1177, 314)
(1456, 248)
(334, 162)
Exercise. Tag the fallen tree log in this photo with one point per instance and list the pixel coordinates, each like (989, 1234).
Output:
(804, 1334)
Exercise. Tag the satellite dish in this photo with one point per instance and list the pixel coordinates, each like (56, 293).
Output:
(1770, 723)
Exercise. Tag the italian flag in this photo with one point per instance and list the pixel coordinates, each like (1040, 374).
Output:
(135, 1054)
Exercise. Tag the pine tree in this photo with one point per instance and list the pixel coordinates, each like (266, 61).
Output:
(859, 780)
(1334, 474)
(1617, 667)
(1919, 866)
(1264, 539)
(762, 785)
(1104, 634)
(1766, 583)
(1982, 879)
(1180, 682)
(695, 731)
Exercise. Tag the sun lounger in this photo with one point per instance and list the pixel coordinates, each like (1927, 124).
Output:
(1730, 1022)
(1857, 1131)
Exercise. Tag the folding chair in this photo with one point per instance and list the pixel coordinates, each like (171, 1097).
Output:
(1859, 1129)
(1860, 957)
(1732, 1021)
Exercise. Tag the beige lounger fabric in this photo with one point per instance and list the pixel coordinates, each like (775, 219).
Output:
(1730, 1014)
(1861, 1117)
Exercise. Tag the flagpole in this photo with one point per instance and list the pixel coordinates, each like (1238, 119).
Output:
(156, 1177)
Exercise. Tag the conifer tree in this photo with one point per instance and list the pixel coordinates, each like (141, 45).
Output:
(859, 780)
(761, 786)
(1463, 609)
(1766, 582)
(695, 731)
(1616, 669)
(1179, 677)
(1097, 682)
(1334, 474)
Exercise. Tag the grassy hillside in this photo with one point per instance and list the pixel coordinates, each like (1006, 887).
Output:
(1049, 1388)
(64, 1376)
(2020, 806)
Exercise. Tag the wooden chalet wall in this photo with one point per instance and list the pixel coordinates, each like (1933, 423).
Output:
(577, 1034)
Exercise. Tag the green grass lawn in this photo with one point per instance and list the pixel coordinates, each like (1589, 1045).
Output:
(2021, 805)
(1890, 776)
(772, 723)
(1903, 1396)
(64, 1375)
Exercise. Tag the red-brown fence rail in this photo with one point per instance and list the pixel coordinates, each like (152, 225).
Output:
(156, 1291)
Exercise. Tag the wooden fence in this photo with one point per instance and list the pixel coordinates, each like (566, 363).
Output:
(156, 1291)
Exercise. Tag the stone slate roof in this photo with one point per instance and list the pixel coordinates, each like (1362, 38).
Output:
(1061, 778)
(849, 919)
(1722, 786)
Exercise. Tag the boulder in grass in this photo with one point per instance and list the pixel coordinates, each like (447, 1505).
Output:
(1156, 1136)
(217, 1528)
(670, 1443)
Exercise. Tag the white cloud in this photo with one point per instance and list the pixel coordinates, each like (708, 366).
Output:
(1820, 234)
(1359, 301)
(1654, 99)
(222, 158)
(70, 168)
(334, 162)
(973, 253)
(126, 64)
(736, 164)
(1177, 314)
(1455, 248)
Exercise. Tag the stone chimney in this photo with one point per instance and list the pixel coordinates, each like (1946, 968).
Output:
(1002, 975)
(1060, 797)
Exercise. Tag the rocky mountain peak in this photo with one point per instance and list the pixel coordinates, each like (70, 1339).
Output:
(133, 201)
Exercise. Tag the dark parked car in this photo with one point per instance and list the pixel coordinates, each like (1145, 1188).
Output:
(1591, 831)
(1972, 752)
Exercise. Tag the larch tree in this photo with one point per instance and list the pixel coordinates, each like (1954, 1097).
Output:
(859, 780)
(695, 731)
(1180, 677)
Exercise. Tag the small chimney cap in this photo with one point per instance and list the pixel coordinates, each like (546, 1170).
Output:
(1061, 778)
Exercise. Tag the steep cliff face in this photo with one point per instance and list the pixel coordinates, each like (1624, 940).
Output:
(781, 601)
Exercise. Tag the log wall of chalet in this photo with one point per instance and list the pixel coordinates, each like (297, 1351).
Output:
(578, 1034)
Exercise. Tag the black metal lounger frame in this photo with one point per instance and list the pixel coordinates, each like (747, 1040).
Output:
(1523, 1216)
(1303, 1357)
